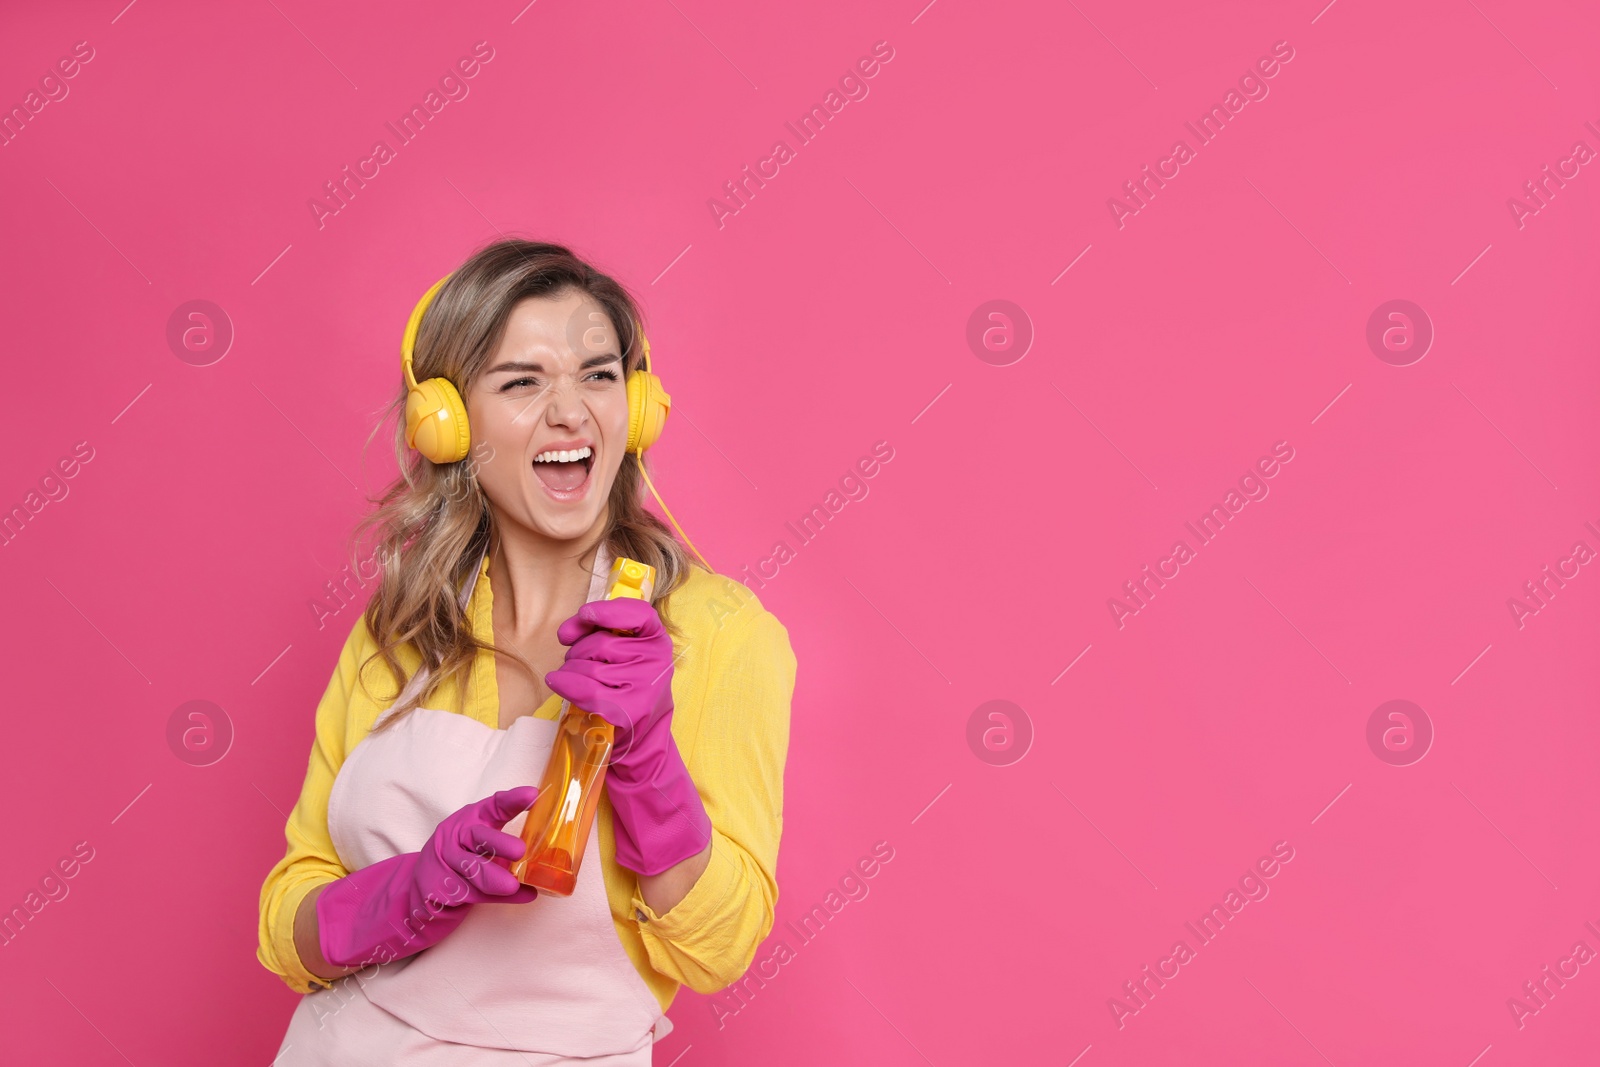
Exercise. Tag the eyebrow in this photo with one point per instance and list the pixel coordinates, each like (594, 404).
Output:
(518, 367)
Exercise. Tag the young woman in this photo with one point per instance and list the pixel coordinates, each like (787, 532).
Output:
(394, 910)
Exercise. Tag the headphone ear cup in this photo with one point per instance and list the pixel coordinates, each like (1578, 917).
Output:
(436, 421)
(648, 405)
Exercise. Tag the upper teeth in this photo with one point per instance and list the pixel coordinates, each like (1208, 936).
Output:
(563, 456)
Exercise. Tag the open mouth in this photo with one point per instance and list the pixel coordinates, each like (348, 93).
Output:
(564, 474)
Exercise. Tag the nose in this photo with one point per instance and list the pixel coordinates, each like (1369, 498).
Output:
(565, 407)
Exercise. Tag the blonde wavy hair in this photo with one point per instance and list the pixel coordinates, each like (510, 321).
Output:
(433, 521)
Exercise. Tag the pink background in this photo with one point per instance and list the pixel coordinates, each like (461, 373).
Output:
(829, 314)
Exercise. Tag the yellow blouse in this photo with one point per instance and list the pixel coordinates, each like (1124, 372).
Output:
(731, 687)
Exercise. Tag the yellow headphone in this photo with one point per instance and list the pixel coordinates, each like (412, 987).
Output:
(436, 418)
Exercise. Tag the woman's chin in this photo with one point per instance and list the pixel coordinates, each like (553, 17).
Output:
(564, 524)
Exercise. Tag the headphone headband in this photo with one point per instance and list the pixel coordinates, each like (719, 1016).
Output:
(408, 342)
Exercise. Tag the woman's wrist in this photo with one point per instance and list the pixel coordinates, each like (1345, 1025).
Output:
(663, 891)
(660, 820)
(308, 939)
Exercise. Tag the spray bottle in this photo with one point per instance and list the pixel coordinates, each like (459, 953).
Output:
(557, 829)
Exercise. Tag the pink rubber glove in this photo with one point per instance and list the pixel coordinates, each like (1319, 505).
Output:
(627, 680)
(399, 906)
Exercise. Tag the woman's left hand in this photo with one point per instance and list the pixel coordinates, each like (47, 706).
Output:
(625, 678)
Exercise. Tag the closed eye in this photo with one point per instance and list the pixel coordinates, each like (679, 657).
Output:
(607, 375)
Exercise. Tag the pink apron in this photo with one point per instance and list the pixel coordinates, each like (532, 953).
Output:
(542, 984)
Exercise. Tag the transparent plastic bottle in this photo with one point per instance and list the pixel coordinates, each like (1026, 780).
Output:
(557, 829)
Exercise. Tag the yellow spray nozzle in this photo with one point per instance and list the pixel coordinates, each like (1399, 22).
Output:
(630, 578)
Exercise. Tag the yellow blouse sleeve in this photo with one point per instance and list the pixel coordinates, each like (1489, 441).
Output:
(311, 859)
(736, 758)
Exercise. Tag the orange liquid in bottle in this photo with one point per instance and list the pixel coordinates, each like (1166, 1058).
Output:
(558, 824)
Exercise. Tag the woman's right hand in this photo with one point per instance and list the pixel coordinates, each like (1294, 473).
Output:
(399, 906)
(618, 665)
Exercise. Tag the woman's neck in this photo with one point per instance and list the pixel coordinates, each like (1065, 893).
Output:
(538, 581)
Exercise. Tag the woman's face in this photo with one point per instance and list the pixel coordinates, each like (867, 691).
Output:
(555, 385)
